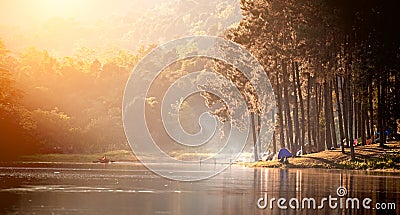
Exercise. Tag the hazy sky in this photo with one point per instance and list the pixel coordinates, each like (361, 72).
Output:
(33, 12)
(62, 26)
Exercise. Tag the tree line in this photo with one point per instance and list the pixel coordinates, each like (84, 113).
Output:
(63, 105)
(333, 66)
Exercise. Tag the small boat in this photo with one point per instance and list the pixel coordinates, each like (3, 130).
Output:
(104, 159)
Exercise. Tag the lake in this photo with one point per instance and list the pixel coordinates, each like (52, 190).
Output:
(130, 188)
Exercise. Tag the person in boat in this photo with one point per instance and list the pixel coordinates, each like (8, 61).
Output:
(103, 159)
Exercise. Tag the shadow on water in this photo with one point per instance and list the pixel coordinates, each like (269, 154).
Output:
(132, 189)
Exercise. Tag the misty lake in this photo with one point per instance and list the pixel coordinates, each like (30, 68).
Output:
(129, 188)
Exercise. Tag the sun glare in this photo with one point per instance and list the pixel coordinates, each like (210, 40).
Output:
(35, 12)
(59, 8)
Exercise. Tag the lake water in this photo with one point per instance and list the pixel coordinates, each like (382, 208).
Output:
(129, 188)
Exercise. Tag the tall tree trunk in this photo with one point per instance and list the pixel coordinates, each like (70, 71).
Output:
(328, 134)
(365, 108)
(288, 118)
(381, 115)
(350, 105)
(309, 120)
(274, 143)
(345, 111)
(316, 117)
(359, 114)
(258, 126)
(371, 108)
(280, 113)
(339, 110)
(356, 111)
(317, 112)
(366, 122)
(296, 110)
(254, 131)
(397, 98)
(363, 123)
(331, 115)
(303, 123)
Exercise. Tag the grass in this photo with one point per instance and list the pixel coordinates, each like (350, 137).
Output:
(191, 156)
(384, 161)
(118, 155)
(370, 157)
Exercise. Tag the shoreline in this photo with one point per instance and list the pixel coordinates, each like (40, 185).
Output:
(369, 157)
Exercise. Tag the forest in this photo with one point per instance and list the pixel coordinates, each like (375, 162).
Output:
(334, 68)
(333, 65)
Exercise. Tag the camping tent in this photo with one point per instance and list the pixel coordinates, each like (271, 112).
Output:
(284, 153)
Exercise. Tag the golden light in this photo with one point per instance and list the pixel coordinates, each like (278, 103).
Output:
(35, 12)
(59, 8)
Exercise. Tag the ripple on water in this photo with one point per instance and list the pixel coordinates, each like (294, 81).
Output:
(80, 189)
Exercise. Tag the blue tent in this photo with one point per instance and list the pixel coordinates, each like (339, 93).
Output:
(284, 153)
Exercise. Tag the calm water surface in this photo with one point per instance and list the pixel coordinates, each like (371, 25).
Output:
(128, 188)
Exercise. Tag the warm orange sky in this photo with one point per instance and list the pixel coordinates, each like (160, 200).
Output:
(35, 12)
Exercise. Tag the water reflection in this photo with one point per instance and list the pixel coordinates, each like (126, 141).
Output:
(131, 189)
(319, 184)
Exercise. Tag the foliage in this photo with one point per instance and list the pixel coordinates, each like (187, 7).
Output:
(63, 105)
(15, 121)
(333, 65)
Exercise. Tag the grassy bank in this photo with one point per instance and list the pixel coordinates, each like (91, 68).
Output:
(119, 155)
(370, 157)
